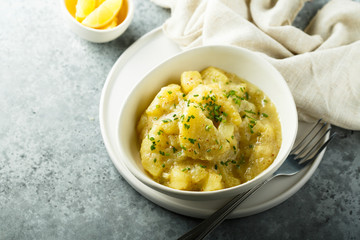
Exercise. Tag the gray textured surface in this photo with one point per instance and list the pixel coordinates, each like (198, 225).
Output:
(56, 178)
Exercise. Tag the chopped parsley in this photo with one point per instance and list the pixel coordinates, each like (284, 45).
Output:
(190, 117)
(166, 120)
(230, 93)
(246, 96)
(152, 147)
(214, 110)
(225, 163)
(249, 111)
(251, 128)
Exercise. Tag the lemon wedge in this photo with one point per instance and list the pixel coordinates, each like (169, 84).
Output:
(103, 14)
(111, 25)
(83, 9)
(99, 2)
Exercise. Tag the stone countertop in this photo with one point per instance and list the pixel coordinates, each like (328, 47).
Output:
(56, 178)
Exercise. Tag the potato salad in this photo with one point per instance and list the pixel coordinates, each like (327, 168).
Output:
(213, 131)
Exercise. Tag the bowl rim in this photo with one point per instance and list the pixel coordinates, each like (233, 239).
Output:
(143, 176)
(125, 22)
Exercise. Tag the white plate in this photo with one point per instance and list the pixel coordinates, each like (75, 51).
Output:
(132, 65)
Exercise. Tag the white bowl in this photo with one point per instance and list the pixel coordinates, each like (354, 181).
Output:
(96, 35)
(244, 64)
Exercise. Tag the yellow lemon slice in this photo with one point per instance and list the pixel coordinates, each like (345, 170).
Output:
(104, 14)
(83, 9)
(99, 2)
(111, 25)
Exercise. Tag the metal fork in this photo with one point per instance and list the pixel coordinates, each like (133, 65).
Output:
(304, 153)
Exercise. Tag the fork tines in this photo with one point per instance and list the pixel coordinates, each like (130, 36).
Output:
(315, 138)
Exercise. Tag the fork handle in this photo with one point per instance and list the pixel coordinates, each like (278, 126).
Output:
(209, 224)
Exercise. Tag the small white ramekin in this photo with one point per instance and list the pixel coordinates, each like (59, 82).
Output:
(98, 35)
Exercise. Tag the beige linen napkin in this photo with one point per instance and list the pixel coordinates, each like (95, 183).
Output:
(320, 64)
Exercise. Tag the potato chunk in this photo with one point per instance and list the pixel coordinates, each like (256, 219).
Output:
(199, 174)
(157, 148)
(179, 179)
(214, 75)
(165, 101)
(215, 104)
(189, 80)
(214, 182)
(152, 161)
(199, 138)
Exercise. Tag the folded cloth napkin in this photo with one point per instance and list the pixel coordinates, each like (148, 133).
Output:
(320, 64)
